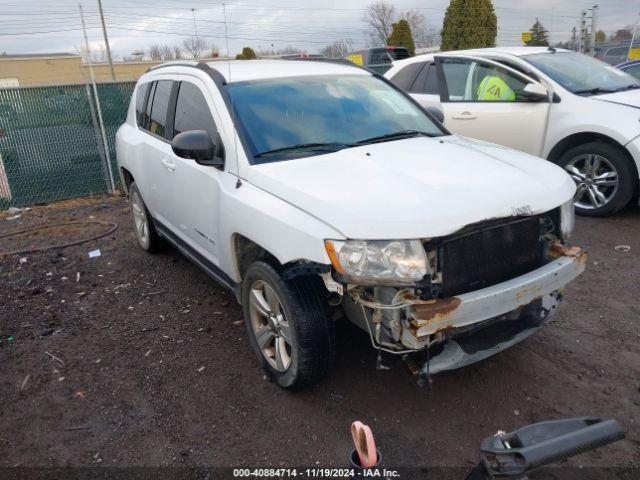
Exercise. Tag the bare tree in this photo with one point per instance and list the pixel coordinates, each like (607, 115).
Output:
(338, 49)
(195, 46)
(274, 52)
(167, 52)
(97, 54)
(155, 53)
(164, 51)
(380, 16)
(423, 36)
(270, 51)
(622, 34)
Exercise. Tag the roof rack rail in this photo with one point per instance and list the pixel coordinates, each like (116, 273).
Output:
(175, 64)
(337, 61)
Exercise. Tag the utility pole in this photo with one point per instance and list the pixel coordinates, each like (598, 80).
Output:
(195, 26)
(574, 39)
(103, 133)
(106, 41)
(594, 17)
(583, 30)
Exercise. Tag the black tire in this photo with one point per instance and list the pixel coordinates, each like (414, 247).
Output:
(627, 177)
(153, 242)
(312, 331)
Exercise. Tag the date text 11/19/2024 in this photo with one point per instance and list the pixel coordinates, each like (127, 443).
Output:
(315, 473)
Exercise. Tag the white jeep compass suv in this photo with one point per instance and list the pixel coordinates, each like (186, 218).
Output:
(312, 189)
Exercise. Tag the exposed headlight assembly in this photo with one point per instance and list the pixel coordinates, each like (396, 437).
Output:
(567, 219)
(389, 262)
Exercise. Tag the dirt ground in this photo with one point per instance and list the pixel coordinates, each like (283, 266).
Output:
(131, 359)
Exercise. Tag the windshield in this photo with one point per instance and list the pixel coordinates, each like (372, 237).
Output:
(312, 115)
(582, 74)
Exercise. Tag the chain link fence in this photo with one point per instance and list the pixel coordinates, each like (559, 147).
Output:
(51, 144)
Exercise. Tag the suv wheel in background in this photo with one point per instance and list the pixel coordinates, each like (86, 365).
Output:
(145, 231)
(288, 326)
(604, 177)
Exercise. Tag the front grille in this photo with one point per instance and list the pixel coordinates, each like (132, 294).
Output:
(488, 254)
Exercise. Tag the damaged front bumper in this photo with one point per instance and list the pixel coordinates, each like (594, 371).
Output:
(530, 299)
(470, 327)
(496, 300)
(501, 333)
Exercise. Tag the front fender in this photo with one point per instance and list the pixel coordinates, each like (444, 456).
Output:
(282, 229)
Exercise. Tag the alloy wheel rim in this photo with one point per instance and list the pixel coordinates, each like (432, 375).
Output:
(270, 326)
(596, 179)
(139, 218)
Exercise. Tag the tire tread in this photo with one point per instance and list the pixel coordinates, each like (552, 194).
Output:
(315, 331)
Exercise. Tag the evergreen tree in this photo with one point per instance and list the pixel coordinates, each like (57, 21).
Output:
(469, 24)
(401, 36)
(539, 35)
(247, 54)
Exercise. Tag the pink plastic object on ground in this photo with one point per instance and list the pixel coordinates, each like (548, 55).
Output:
(365, 445)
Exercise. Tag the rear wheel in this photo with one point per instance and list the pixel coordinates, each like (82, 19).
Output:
(288, 326)
(146, 234)
(604, 177)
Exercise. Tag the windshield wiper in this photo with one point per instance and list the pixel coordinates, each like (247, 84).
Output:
(633, 86)
(395, 136)
(594, 91)
(317, 146)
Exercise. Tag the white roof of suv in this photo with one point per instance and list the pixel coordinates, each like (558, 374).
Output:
(515, 51)
(247, 70)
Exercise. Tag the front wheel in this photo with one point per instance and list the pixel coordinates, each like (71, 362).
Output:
(288, 326)
(604, 178)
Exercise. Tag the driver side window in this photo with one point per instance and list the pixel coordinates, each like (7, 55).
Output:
(472, 81)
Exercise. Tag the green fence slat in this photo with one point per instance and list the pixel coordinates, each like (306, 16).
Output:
(50, 148)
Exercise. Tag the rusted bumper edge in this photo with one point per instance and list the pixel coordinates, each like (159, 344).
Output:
(491, 302)
(454, 355)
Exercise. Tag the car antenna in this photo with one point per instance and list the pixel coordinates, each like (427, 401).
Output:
(233, 110)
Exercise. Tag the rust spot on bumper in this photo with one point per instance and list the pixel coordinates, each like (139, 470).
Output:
(558, 250)
(438, 310)
(576, 253)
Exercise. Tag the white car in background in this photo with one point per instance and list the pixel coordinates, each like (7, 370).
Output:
(563, 106)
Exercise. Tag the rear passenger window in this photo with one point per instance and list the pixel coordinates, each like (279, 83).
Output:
(432, 85)
(141, 92)
(405, 77)
(147, 114)
(192, 111)
(160, 107)
(427, 81)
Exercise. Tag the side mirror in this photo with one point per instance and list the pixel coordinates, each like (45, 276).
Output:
(535, 91)
(436, 112)
(199, 146)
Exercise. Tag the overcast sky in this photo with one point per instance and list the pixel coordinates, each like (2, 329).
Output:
(303, 24)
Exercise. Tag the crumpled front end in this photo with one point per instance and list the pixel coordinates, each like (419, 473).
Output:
(490, 287)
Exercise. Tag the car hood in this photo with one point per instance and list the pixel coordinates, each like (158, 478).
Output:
(628, 97)
(415, 188)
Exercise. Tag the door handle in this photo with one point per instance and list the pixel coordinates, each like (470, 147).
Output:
(169, 165)
(464, 116)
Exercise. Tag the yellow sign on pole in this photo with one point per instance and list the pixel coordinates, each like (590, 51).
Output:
(634, 54)
(526, 37)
